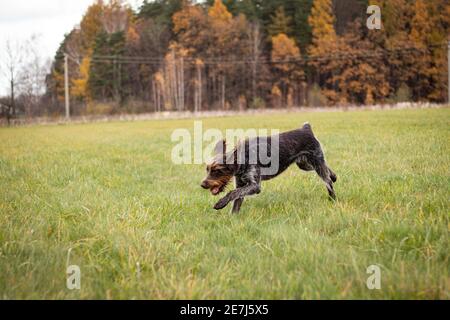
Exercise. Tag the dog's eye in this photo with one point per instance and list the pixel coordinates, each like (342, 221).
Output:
(214, 172)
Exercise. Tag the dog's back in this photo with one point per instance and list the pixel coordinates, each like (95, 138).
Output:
(287, 147)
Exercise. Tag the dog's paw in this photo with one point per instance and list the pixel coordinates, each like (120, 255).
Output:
(222, 203)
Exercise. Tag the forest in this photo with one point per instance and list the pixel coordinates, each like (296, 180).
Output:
(180, 55)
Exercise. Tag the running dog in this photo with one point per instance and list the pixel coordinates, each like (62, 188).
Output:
(298, 146)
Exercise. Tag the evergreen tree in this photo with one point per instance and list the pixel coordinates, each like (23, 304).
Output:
(347, 11)
(302, 29)
(107, 76)
(55, 80)
(280, 23)
(161, 10)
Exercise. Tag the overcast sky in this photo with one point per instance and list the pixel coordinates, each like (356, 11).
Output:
(49, 19)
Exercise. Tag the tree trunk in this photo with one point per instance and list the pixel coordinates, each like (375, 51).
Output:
(182, 84)
(199, 88)
(223, 92)
(13, 99)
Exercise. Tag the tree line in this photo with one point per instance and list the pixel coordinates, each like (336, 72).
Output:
(172, 55)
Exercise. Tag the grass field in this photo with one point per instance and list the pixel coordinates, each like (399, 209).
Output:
(140, 227)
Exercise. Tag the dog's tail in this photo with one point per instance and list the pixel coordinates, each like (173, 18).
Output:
(307, 126)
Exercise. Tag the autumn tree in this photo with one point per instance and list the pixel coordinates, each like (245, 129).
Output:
(360, 76)
(428, 83)
(412, 29)
(440, 17)
(79, 45)
(79, 88)
(394, 36)
(178, 54)
(147, 37)
(288, 73)
(91, 24)
(219, 13)
(260, 73)
(322, 21)
(324, 43)
(217, 34)
(191, 28)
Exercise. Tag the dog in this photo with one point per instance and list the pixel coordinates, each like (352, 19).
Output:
(298, 146)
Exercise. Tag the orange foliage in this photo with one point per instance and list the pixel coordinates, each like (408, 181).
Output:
(219, 13)
(91, 24)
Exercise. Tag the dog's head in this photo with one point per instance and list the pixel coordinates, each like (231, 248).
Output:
(219, 173)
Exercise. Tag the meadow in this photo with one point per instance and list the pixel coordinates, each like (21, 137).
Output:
(107, 197)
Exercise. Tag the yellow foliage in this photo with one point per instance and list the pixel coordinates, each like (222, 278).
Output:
(218, 12)
(159, 78)
(276, 91)
(183, 19)
(190, 24)
(79, 88)
(321, 21)
(99, 108)
(199, 62)
(132, 35)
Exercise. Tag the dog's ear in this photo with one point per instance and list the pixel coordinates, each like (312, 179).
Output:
(221, 147)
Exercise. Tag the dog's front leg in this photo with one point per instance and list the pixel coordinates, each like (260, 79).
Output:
(237, 205)
(237, 194)
(247, 184)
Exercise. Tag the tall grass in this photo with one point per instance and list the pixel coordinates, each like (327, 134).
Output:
(140, 227)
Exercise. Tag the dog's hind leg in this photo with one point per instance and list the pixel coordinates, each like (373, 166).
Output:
(303, 164)
(326, 175)
(333, 175)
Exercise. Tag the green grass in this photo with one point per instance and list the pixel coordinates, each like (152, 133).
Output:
(140, 227)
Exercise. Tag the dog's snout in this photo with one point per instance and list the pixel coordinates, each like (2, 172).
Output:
(205, 185)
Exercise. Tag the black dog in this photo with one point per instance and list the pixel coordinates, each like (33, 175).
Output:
(299, 146)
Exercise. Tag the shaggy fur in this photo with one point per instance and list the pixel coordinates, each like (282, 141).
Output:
(298, 146)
